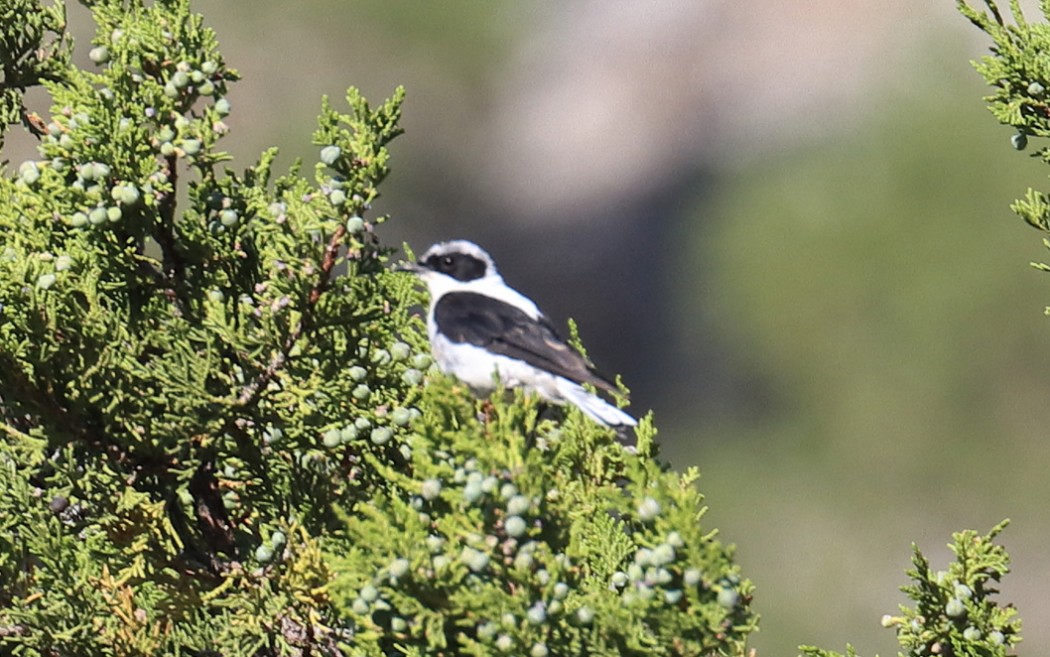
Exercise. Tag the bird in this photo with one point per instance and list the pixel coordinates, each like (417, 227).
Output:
(485, 333)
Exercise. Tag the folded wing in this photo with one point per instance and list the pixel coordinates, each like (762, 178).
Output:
(503, 329)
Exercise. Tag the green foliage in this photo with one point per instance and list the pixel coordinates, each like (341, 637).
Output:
(33, 48)
(1019, 71)
(512, 536)
(955, 612)
(222, 433)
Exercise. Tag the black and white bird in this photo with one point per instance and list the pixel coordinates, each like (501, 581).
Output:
(481, 329)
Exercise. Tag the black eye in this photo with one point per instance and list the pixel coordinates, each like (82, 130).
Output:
(447, 261)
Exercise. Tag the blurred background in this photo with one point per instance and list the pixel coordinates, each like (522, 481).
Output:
(785, 223)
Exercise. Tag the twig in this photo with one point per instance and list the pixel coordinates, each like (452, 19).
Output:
(250, 392)
(173, 265)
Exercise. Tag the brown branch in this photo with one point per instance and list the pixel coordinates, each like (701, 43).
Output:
(174, 266)
(249, 394)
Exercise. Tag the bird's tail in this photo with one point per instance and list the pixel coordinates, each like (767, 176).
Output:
(594, 406)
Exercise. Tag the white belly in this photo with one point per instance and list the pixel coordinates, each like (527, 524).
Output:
(481, 370)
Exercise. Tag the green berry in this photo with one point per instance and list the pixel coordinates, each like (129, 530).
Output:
(329, 154)
(538, 650)
(537, 614)
(368, 593)
(421, 361)
(672, 596)
(222, 106)
(191, 146)
(130, 195)
(167, 149)
(635, 572)
(412, 377)
(94, 171)
(355, 225)
(381, 435)
(361, 392)
(398, 624)
(972, 634)
(955, 608)
(663, 554)
(431, 489)
(264, 553)
(504, 643)
(270, 434)
(518, 505)
(278, 539)
(99, 54)
(400, 351)
(476, 560)
(487, 630)
(401, 416)
(29, 172)
(398, 568)
(963, 592)
(691, 577)
(1035, 89)
(996, 638)
(113, 213)
(727, 597)
(180, 79)
(643, 556)
(206, 89)
(44, 281)
(515, 526)
(648, 509)
(585, 615)
(228, 217)
(363, 424)
(332, 438)
(360, 607)
(337, 197)
(561, 589)
(98, 216)
(209, 67)
(357, 373)
(618, 579)
(1019, 141)
(472, 492)
(63, 263)
(78, 220)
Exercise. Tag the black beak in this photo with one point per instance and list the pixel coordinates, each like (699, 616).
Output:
(414, 267)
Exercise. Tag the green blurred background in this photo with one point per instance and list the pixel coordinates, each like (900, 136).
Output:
(787, 226)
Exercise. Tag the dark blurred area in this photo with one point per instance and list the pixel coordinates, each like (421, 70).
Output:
(785, 224)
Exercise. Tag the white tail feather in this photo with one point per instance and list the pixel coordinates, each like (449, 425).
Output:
(593, 406)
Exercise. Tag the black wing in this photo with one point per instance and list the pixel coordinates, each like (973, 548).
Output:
(503, 329)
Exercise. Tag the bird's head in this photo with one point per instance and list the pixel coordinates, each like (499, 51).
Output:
(458, 260)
